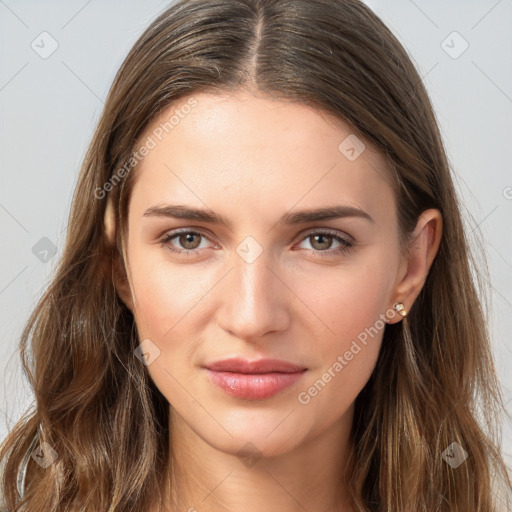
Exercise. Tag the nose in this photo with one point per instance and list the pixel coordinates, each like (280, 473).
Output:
(254, 299)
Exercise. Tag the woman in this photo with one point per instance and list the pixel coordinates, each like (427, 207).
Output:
(265, 301)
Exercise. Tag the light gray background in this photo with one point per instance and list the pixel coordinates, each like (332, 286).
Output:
(49, 108)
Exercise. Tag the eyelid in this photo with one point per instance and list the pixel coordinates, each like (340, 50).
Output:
(328, 231)
(173, 233)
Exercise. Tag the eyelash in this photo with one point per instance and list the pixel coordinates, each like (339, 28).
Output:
(346, 246)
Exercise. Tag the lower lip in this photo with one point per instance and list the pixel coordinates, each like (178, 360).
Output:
(255, 386)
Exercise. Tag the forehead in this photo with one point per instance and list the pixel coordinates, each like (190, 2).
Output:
(252, 152)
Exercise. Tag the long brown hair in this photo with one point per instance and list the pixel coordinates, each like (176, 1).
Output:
(95, 404)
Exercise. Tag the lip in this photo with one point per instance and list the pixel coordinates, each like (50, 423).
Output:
(254, 380)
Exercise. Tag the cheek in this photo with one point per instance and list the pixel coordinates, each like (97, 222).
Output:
(349, 300)
(167, 301)
(353, 304)
(163, 294)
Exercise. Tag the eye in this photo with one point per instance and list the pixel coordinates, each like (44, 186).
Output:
(189, 240)
(322, 240)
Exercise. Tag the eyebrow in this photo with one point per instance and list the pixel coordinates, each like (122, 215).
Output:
(290, 218)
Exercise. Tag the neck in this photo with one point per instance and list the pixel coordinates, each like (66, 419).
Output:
(309, 477)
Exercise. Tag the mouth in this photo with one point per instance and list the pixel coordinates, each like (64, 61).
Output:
(254, 380)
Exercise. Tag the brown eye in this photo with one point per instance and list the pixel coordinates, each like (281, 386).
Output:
(321, 242)
(187, 241)
(183, 242)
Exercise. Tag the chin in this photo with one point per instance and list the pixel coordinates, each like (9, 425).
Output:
(253, 446)
(267, 433)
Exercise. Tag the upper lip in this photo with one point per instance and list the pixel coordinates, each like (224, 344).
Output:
(238, 365)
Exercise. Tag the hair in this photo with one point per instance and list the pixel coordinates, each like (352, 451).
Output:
(96, 405)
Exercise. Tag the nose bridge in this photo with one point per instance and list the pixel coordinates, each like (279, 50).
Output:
(253, 303)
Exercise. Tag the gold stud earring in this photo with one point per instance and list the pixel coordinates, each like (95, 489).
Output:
(400, 309)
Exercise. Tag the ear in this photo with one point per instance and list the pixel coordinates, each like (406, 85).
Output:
(121, 281)
(414, 269)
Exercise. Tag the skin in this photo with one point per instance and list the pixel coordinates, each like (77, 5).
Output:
(252, 159)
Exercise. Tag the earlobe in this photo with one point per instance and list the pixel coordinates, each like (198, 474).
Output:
(425, 244)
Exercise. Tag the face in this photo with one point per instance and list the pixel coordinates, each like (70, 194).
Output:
(269, 281)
